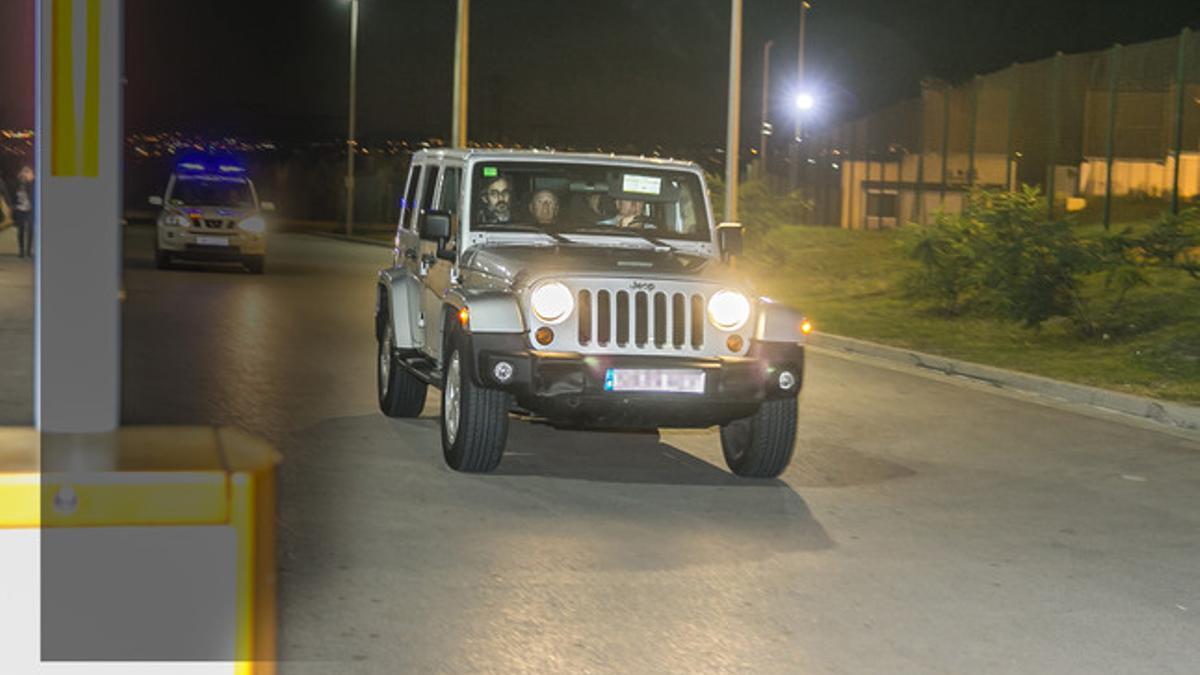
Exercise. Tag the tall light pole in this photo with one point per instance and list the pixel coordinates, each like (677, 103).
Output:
(351, 142)
(805, 5)
(765, 130)
(733, 131)
(462, 40)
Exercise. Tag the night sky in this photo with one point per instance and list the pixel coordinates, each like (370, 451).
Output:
(611, 72)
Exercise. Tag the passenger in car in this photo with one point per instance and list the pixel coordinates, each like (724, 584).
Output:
(543, 205)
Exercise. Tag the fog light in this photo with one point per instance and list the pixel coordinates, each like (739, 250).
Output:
(544, 336)
(787, 380)
(735, 343)
(503, 372)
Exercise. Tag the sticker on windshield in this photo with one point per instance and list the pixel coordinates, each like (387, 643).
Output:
(490, 172)
(642, 185)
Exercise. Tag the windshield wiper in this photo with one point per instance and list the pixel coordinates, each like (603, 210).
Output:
(627, 233)
(526, 228)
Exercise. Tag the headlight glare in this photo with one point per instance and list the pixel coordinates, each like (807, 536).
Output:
(552, 302)
(728, 310)
(254, 224)
(175, 220)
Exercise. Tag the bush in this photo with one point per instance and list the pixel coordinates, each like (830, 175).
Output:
(759, 208)
(1002, 256)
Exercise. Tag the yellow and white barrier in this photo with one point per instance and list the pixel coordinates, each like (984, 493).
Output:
(150, 550)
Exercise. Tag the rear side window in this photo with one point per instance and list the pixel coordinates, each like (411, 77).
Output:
(410, 195)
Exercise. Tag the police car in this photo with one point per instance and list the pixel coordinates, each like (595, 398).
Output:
(211, 213)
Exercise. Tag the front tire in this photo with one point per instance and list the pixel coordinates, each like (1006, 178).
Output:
(760, 446)
(401, 394)
(474, 418)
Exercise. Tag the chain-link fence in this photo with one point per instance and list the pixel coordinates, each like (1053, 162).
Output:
(1109, 136)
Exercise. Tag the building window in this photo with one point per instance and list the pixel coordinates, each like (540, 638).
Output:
(883, 205)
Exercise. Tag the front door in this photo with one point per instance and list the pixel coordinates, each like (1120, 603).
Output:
(437, 261)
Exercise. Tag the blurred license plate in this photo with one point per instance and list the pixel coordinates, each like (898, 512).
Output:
(677, 381)
(212, 241)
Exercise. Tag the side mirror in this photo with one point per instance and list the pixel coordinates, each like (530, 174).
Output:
(268, 206)
(729, 237)
(156, 201)
(435, 226)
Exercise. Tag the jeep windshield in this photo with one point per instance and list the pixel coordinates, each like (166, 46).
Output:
(588, 199)
(206, 191)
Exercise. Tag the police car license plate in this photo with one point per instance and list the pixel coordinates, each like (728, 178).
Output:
(678, 381)
(212, 241)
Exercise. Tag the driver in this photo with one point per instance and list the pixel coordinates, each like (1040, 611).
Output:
(544, 207)
(628, 211)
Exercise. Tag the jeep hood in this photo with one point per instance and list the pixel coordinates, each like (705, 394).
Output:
(512, 264)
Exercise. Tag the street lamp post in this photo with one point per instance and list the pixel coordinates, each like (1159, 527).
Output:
(462, 40)
(765, 129)
(733, 131)
(805, 5)
(351, 142)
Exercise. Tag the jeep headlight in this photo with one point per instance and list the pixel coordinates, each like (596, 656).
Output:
(728, 310)
(552, 302)
(175, 220)
(253, 224)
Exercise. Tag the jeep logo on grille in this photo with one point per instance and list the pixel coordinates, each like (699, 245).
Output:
(642, 286)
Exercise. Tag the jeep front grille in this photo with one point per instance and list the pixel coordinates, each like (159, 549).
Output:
(640, 319)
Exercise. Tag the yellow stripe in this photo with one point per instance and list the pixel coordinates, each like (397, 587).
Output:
(20, 501)
(91, 102)
(64, 150)
(241, 492)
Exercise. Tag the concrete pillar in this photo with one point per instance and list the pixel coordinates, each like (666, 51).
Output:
(78, 246)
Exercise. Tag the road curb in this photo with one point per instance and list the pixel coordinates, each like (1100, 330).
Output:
(349, 239)
(1164, 412)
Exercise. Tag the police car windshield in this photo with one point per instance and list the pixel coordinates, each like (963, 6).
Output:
(200, 191)
(588, 199)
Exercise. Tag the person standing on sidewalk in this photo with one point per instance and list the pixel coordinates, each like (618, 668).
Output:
(23, 200)
(6, 213)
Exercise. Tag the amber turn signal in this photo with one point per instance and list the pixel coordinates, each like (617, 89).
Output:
(735, 343)
(806, 327)
(464, 316)
(544, 336)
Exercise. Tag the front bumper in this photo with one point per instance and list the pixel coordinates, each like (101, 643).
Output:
(568, 388)
(185, 243)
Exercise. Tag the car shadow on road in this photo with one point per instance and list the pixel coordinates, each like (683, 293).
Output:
(536, 449)
(355, 485)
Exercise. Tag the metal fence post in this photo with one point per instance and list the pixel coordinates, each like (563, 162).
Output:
(975, 84)
(919, 192)
(1052, 158)
(1114, 65)
(945, 140)
(1012, 114)
(1179, 87)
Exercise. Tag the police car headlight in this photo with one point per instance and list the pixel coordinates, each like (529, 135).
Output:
(552, 302)
(254, 224)
(175, 220)
(728, 310)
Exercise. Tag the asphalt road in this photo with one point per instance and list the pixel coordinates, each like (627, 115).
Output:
(925, 527)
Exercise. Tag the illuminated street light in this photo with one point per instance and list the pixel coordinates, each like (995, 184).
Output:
(805, 102)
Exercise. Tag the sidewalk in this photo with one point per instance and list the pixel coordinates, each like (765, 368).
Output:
(16, 334)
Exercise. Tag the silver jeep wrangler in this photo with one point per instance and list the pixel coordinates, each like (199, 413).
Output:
(586, 291)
